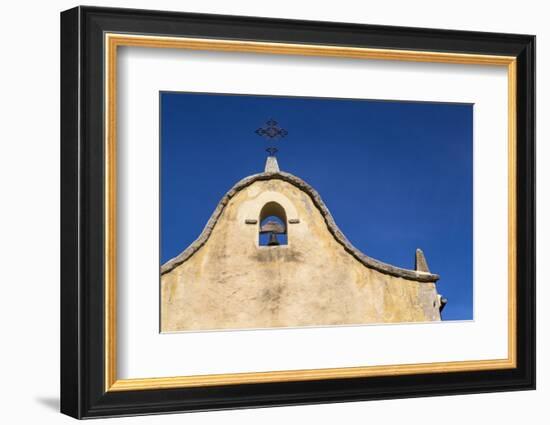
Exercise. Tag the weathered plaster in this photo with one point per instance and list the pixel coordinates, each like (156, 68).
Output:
(225, 280)
(420, 276)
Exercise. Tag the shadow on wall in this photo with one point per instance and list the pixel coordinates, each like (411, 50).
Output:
(49, 402)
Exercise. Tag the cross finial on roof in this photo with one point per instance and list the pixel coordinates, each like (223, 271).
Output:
(272, 132)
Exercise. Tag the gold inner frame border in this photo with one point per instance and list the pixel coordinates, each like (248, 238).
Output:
(113, 40)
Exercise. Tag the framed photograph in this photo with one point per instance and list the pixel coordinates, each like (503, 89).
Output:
(261, 212)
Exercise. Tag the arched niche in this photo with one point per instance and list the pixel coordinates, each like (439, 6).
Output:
(272, 230)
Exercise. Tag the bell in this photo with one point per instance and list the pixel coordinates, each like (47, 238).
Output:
(273, 241)
(272, 226)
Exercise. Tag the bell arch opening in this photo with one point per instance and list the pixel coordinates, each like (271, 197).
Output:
(273, 225)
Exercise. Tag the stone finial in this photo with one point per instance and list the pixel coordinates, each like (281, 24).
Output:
(420, 263)
(271, 165)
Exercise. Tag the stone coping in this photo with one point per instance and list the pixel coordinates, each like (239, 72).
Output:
(415, 275)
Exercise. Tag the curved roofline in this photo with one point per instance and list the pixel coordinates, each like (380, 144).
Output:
(329, 220)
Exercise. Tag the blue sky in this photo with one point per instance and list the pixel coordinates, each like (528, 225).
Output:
(396, 176)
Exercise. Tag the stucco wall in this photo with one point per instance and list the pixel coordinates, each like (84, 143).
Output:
(232, 282)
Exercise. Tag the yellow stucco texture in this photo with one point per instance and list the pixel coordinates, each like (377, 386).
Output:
(232, 283)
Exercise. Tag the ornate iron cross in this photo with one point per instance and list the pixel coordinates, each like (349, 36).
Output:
(272, 132)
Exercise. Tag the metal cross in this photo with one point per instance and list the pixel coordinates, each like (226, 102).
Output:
(271, 132)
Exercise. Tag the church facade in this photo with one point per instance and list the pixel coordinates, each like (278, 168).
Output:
(271, 255)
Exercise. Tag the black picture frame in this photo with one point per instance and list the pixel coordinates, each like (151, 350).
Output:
(83, 392)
